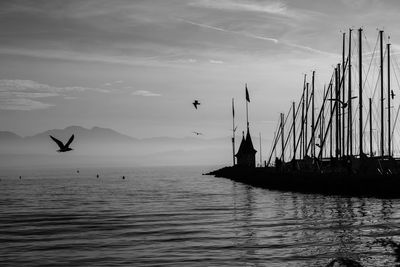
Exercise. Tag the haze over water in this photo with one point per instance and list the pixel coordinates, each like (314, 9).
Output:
(174, 216)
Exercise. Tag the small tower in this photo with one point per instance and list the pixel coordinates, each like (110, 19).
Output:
(246, 155)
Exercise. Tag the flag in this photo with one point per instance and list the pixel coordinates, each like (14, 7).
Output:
(247, 94)
(233, 108)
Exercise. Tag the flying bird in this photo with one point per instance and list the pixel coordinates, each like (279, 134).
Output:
(196, 103)
(392, 94)
(344, 104)
(63, 148)
(197, 133)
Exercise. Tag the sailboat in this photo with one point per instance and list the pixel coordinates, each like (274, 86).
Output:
(332, 149)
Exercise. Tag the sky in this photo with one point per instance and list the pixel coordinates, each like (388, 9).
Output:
(136, 66)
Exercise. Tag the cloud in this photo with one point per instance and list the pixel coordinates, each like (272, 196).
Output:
(22, 104)
(228, 31)
(145, 93)
(277, 8)
(259, 37)
(20, 94)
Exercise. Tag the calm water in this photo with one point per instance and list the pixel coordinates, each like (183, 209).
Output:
(177, 217)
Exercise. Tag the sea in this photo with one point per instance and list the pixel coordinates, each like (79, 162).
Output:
(176, 216)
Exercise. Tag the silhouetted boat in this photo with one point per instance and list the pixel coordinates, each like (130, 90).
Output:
(327, 156)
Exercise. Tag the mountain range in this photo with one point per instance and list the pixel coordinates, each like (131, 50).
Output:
(106, 146)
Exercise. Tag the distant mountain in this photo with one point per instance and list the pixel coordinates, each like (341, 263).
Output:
(106, 146)
(9, 136)
(96, 134)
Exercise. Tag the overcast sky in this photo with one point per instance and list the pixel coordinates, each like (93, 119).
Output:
(136, 66)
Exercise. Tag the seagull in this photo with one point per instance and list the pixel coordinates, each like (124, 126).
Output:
(197, 133)
(392, 94)
(344, 104)
(196, 103)
(63, 148)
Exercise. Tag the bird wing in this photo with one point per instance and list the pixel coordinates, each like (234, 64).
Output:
(69, 141)
(58, 142)
(194, 104)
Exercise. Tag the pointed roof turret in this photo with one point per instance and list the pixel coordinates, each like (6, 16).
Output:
(249, 144)
(242, 146)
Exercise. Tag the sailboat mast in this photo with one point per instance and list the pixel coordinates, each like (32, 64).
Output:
(343, 95)
(331, 126)
(382, 108)
(339, 112)
(233, 131)
(349, 111)
(260, 152)
(370, 128)
(360, 82)
(322, 125)
(337, 115)
(294, 130)
(312, 116)
(283, 137)
(306, 121)
(388, 97)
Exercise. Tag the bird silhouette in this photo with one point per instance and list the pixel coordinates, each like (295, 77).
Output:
(344, 104)
(123, 177)
(392, 94)
(196, 103)
(197, 133)
(97, 176)
(63, 148)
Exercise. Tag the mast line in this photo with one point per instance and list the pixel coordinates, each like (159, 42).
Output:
(360, 90)
(382, 109)
(343, 96)
(370, 128)
(349, 110)
(233, 130)
(388, 97)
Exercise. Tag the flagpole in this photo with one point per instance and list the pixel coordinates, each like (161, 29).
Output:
(247, 110)
(233, 130)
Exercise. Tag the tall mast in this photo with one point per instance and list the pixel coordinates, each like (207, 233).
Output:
(260, 152)
(382, 113)
(294, 130)
(322, 125)
(336, 106)
(312, 117)
(360, 81)
(302, 129)
(339, 112)
(349, 111)
(388, 98)
(343, 94)
(306, 122)
(233, 131)
(370, 128)
(283, 137)
(331, 126)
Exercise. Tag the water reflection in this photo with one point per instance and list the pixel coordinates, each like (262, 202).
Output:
(312, 226)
